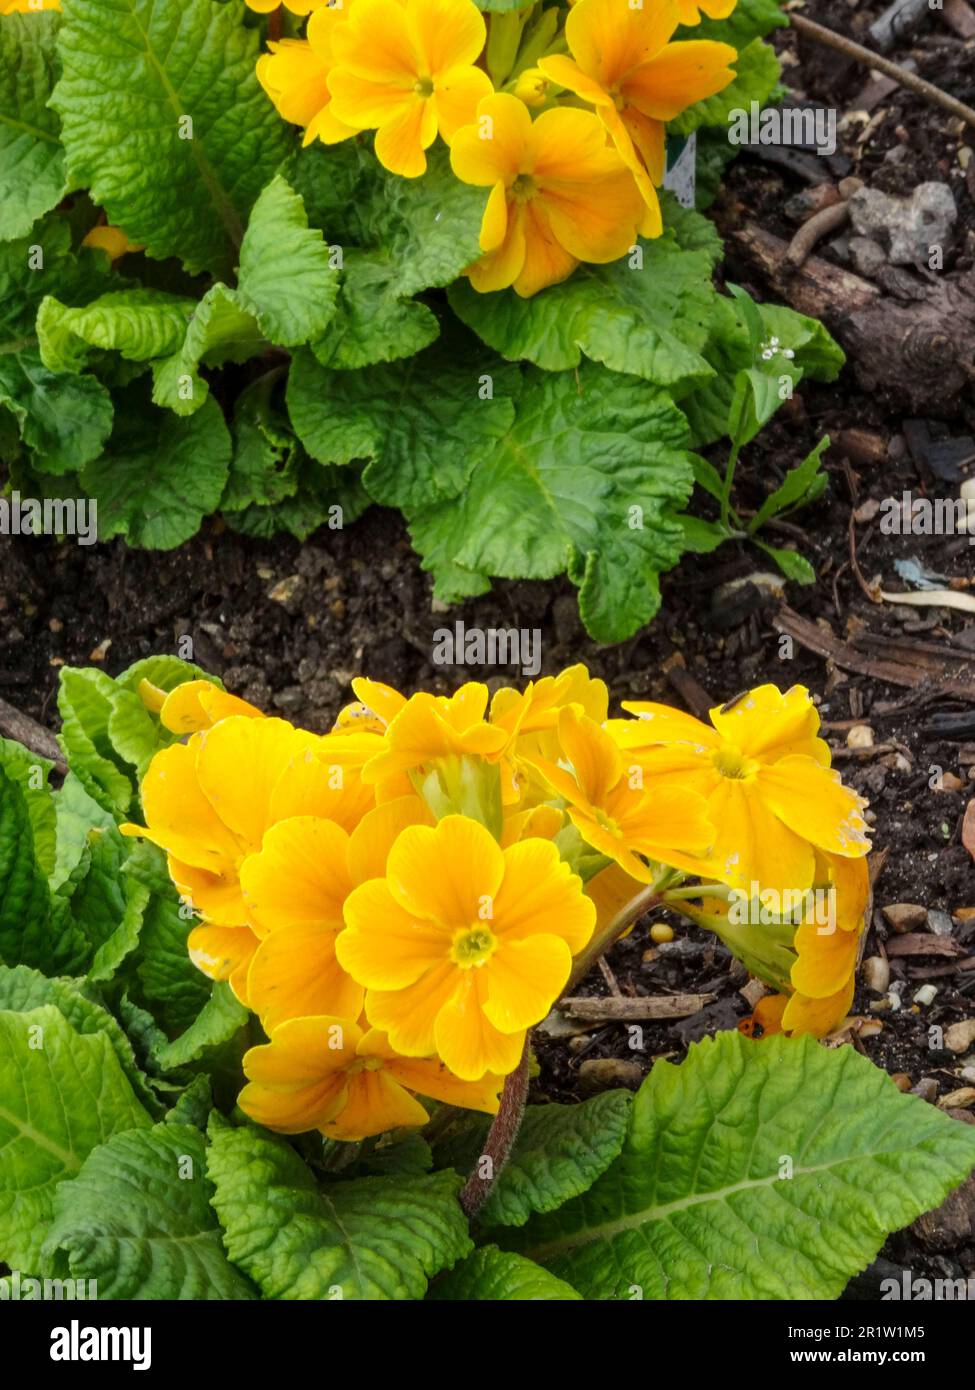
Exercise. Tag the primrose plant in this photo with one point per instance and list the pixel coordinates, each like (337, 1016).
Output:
(279, 989)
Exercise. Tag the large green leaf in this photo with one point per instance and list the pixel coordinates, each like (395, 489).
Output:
(64, 419)
(220, 330)
(422, 423)
(220, 1019)
(160, 474)
(137, 1219)
(647, 313)
(560, 1152)
(85, 701)
(139, 324)
(412, 235)
(371, 1238)
(31, 160)
(771, 1169)
(588, 480)
(31, 772)
(23, 989)
(61, 1093)
(496, 1275)
(164, 120)
(286, 279)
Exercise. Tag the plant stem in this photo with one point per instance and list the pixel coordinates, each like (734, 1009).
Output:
(729, 478)
(274, 25)
(500, 1139)
(873, 60)
(646, 899)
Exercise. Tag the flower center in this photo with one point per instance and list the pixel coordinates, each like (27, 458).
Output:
(362, 1064)
(731, 762)
(473, 947)
(524, 188)
(423, 86)
(607, 823)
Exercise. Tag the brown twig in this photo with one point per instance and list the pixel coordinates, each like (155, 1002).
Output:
(274, 25)
(500, 1139)
(34, 737)
(874, 60)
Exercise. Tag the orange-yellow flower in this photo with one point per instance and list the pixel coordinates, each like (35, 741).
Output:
(431, 727)
(531, 717)
(624, 65)
(407, 71)
(111, 240)
(295, 889)
(295, 75)
(208, 803)
(766, 778)
(297, 6)
(691, 10)
(464, 946)
(617, 814)
(330, 1074)
(559, 194)
(194, 705)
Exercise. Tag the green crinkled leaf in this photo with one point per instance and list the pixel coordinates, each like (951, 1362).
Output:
(285, 279)
(699, 1204)
(62, 418)
(160, 474)
(371, 1238)
(496, 1275)
(647, 315)
(588, 480)
(560, 1152)
(220, 1019)
(30, 771)
(263, 467)
(137, 1219)
(194, 1104)
(220, 330)
(422, 423)
(23, 989)
(139, 324)
(413, 235)
(85, 697)
(758, 71)
(33, 928)
(133, 72)
(62, 1094)
(32, 177)
(169, 980)
(76, 812)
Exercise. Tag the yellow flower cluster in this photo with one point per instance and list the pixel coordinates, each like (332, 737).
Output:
(560, 113)
(401, 899)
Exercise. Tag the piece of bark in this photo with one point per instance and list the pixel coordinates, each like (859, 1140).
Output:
(959, 16)
(912, 338)
(34, 737)
(626, 1010)
(923, 944)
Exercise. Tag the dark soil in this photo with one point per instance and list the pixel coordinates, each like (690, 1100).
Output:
(356, 601)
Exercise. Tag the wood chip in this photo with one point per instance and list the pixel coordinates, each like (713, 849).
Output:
(625, 1010)
(921, 944)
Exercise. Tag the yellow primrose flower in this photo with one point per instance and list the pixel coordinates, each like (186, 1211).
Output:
(111, 240)
(823, 975)
(531, 719)
(298, 6)
(766, 778)
(328, 1073)
(295, 890)
(208, 803)
(691, 10)
(295, 74)
(531, 87)
(194, 705)
(617, 814)
(430, 727)
(559, 194)
(407, 71)
(374, 710)
(624, 65)
(464, 946)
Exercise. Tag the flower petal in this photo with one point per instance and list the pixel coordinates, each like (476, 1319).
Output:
(813, 802)
(494, 149)
(374, 1102)
(295, 974)
(468, 1041)
(524, 979)
(540, 894)
(456, 95)
(677, 77)
(446, 874)
(300, 877)
(383, 946)
(409, 1015)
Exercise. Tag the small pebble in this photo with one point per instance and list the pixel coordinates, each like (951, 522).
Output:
(661, 932)
(926, 995)
(876, 974)
(905, 917)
